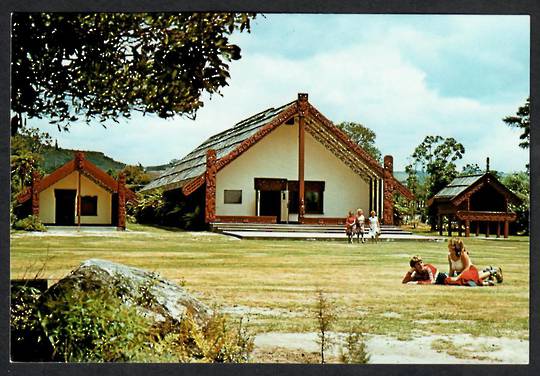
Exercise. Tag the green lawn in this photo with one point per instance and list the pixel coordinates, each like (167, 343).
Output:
(279, 278)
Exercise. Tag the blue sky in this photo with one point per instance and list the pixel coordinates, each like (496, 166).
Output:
(403, 76)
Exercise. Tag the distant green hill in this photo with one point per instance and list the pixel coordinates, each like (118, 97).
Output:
(54, 158)
(401, 176)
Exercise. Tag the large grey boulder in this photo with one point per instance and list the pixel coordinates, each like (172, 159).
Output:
(158, 299)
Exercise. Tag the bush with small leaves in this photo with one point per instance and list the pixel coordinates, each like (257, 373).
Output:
(30, 223)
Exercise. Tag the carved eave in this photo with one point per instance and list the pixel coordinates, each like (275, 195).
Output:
(86, 168)
(335, 140)
(404, 191)
(281, 118)
(490, 180)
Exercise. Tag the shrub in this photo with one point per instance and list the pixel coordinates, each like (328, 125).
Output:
(217, 340)
(93, 326)
(354, 350)
(28, 340)
(30, 223)
(324, 313)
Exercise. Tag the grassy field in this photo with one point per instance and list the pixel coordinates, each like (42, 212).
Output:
(275, 281)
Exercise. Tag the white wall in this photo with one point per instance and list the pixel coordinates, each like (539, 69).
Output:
(276, 156)
(47, 201)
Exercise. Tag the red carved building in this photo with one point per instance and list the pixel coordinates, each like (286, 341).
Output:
(286, 164)
(478, 203)
(77, 193)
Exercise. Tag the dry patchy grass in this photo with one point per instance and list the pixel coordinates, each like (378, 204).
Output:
(362, 280)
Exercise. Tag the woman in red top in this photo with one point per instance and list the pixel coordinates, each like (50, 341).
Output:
(350, 221)
(463, 272)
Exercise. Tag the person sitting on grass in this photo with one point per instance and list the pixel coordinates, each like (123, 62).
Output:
(423, 274)
(350, 222)
(463, 272)
(359, 225)
(374, 227)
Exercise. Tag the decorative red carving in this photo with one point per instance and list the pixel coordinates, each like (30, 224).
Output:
(281, 118)
(36, 177)
(121, 202)
(388, 195)
(210, 179)
(193, 185)
(270, 184)
(485, 216)
(302, 109)
(79, 160)
(302, 104)
(87, 168)
(368, 159)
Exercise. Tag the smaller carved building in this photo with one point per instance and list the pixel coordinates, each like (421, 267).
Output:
(77, 193)
(475, 202)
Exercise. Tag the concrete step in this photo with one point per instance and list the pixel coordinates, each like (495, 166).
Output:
(296, 228)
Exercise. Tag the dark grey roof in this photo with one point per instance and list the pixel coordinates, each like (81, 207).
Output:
(194, 164)
(457, 186)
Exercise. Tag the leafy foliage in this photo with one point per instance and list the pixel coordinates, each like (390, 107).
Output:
(471, 169)
(136, 177)
(519, 184)
(436, 156)
(104, 65)
(158, 208)
(355, 349)
(26, 149)
(30, 223)
(363, 136)
(522, 120)
(217, 340)
(93, 326)
(28, 341)
(326, 317)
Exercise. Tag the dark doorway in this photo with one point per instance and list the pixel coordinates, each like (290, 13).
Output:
(270, 203)
(65, 206)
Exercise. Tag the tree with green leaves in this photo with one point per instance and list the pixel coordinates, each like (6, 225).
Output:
(435, 156)
(522, 120)
(103, 66)
(519, 184)
(363, 136)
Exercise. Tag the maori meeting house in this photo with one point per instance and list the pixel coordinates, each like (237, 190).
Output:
(77, 193)
(286, 164)
(478, 202)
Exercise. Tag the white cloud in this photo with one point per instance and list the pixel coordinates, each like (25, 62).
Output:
(372, 81)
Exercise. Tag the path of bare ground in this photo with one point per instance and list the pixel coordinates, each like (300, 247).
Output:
(302, 348)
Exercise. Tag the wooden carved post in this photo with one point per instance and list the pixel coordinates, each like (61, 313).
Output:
(440, 224)
(210, 179)
(388, 197)
(302, 107)
(477, 228)
(121, 202)
(498, 229)
(36, 178)
(506, 229)
(467, 228)
(449, 225)
(79, 166)
(487, 229)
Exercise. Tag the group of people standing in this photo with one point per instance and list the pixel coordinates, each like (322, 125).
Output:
(461, 270)
(355, 226)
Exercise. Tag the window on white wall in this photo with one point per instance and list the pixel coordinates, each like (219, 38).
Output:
(89, 205)
(232, 196)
